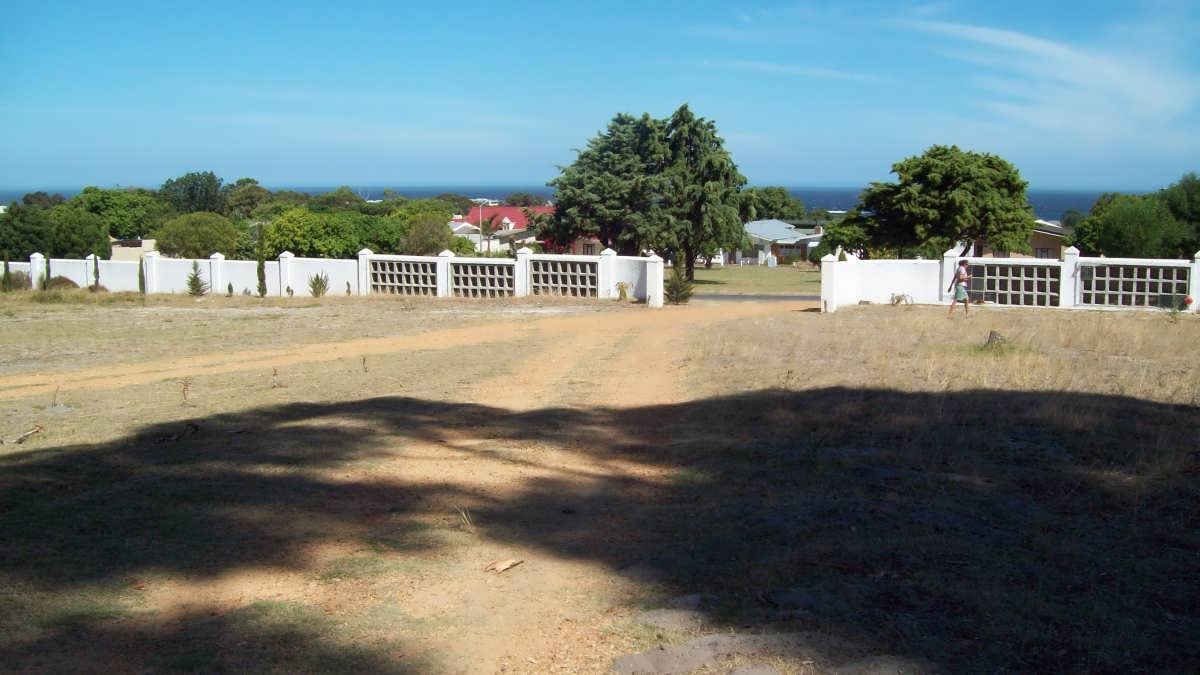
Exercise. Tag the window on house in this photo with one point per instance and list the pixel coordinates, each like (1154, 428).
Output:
(589, 249)
(1044, 253)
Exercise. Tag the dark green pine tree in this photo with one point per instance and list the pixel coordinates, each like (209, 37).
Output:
(195, 284)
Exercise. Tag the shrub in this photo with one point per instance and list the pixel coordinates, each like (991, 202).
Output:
(318, 284)
(20, 281)
(59, 283)
(141, 276)
(428, 235)
(462, 246)
(677, 290)
(195, 284)
(197, 235)
(6, 284)
(229, 290)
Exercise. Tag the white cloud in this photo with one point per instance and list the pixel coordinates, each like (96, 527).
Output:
(772, 68)
(1057, 87)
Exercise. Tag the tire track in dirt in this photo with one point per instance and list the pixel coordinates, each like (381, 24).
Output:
(575, 330)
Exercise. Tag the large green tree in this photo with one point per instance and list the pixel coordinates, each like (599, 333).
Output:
(280, 201)
(1183, 200)
(342, 199)
(334, 234)
(194, 192)
(613, 189)
(310, 234)
(243, 196)
(24, 230)
(76, 233)
(197, 235)
(1132, 226)
(772, 202)
(42, 199)
(666, 184)
(127, 213)
(944, 197)
(701, 201)
(428, 234)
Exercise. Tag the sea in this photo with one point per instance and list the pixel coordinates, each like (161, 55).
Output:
(1047, 204)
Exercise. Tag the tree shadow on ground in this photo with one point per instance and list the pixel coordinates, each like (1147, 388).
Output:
(976, 530)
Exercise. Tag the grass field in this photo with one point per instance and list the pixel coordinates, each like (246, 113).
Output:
(755, 279)
(318, 485)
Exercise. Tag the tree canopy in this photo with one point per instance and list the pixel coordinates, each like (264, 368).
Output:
(75, 233)
(428, 234)
(197, 235)
(523, 199)
(1183, 201)
(613, 188)
(243, 197)
(127, 213)
(763, 203)
(193, 192)
(666, 184)
(941, 198)
(701, 202)
(1134, 226)
(24, 230)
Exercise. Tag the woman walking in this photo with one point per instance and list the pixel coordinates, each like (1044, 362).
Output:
(959, 284)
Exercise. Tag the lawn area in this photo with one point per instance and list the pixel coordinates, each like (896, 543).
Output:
(321, 485)
(759, 279)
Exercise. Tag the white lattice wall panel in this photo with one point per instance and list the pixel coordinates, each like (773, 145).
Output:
(403, 277)
(1016, 284)
(1132, 285)
(482, 280)
(564, 277)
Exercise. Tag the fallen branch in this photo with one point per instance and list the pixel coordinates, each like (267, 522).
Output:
(499, 566)
(37, 429)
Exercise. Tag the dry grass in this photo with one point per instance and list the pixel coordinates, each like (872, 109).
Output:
(83, 328)
(1143, 355)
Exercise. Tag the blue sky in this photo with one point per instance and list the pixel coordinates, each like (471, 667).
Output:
(1096, 95)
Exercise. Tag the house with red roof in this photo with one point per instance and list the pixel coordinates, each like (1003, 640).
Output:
(506, 217)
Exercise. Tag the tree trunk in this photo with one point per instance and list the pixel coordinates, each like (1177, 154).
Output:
(689, 264)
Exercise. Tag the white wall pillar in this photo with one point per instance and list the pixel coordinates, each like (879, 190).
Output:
(1068, 285)
(150, 269)
(829, 282)
(89, 269)
(949, 265)
(216, 274)
(443, 274)
(1194, 283)
(654, 281)
(285, 272)
(606, 272)
(364, 271)
(523, 270)
(37, 268)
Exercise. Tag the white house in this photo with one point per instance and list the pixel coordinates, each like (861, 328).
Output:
(780, 239)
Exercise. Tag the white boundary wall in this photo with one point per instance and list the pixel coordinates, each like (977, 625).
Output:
(566, 275)
(1073, 282)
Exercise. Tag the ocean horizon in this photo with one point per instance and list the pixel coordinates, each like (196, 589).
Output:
(1047, 204)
